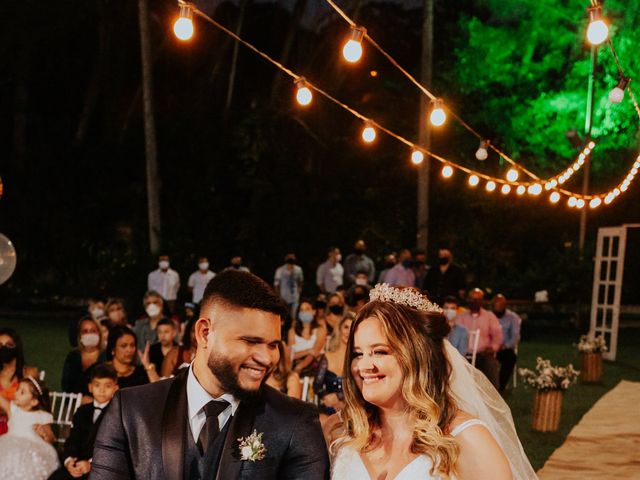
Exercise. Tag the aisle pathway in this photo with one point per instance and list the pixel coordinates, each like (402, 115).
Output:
(605, 444)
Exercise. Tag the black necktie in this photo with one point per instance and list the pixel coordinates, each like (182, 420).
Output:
(210, 429)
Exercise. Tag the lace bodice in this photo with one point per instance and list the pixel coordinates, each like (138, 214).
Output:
(348, 464)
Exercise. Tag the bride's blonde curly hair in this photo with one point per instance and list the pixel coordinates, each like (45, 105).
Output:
(416, 339)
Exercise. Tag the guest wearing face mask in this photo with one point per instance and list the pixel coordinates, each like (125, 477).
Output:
(510, 323)
(116, 313)
(477, 318)
(357, 262)
(445, 279)
(145, 328)
(236, 264)
(334, 313)
(165, 281)
(77, 365)
(287, 282)
(307, 339)
(95, 310)
(458, 335)
(199, 279)
(330, 274)
(389, 262)
(402, 274)
(358, 294)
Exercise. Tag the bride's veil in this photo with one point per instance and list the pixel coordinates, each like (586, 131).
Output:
(474, 394)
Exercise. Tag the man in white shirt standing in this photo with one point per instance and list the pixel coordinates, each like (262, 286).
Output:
(198, 280)
(330, 274)
(165, 281)
(287, 282)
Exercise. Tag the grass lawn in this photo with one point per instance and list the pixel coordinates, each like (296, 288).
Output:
(46, 345)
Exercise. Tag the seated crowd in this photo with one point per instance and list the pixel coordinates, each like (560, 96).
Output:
(110, 352)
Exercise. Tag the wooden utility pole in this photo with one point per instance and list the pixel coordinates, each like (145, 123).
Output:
(424, 133)
(153, 180)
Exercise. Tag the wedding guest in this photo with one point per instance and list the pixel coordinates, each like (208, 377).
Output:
(181, 357)
(78, 363)
(458, 335)
(335, 311)
(96, 310)
(389, 262)
(445, 279)
(402, 275)
(198, 280)
(287, 282)
(236, 264)
(116, 312)
(145, 328)
(165, 281)
(490, 331)
(420, 268)
(329, 275)
(283, 378)
(121, 354)
(166, 331)
(510, 323)
(306, 339)
(357, 262)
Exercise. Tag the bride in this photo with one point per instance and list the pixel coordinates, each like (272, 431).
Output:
(415, 409)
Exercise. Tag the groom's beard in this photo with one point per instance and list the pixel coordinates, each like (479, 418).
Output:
(223, 370)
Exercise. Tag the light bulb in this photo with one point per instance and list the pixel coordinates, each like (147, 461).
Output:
(592, 145)
(304, 95)
(572, 201)
(438, 115)
(616, 95)
(595, 202)
(534, 189)
(521, 189)
(554, 197)
(352, 49)
(491, 186)
(580, 203)
(447, 171)
(482, 153)
(183, 26)
(609, 198)
(505, 189)
(598, 31)
(369, 134)
(417, 157)
(512, 175)
(474, 180)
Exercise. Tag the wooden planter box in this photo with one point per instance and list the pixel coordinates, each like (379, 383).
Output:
(547, 407)
(591, 367)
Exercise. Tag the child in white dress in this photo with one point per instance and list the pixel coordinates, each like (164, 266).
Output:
(23, 453)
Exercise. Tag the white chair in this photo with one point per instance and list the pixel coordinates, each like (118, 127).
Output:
(63, 406)
(474, 339)
(308, 395)
(515, 368)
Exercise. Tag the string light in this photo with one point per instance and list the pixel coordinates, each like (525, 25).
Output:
(491, 186)
(505, 189)
(521, 189)
(534, 189)
(474, 180)
(482, 153)
(572, 201)
(417, 157)
(352, 49)
(512, 175)
(616, 95)
(438, 115)
(369, 133)
(554, 197)
(598, 31)
(447, 171)
(595, 202)
(304, 95)
(580, 203)
(183, 26)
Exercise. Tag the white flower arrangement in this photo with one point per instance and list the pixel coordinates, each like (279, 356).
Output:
(590, 344)
(251, 448)
(547, 377)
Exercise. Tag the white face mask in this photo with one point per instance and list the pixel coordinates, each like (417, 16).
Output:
(361, 281)
(450, 313)
(203, 266)
(152, 310)
(96, 313)
(90, 339)
(163, 264)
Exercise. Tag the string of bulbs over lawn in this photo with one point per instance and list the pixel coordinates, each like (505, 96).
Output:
(352, 52)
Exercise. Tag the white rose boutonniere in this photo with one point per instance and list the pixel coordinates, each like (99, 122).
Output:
(251, 447)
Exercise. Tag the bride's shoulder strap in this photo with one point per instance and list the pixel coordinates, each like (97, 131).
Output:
(466, 424)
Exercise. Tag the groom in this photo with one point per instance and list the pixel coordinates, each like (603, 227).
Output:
(195, 425)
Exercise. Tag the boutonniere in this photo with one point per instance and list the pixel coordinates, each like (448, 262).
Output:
(251, 447)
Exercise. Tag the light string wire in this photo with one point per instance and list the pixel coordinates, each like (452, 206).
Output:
(431, 96)
(374, 123)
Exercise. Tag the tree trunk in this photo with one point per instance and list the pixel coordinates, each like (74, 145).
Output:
(234, 60)
(424, 135)
(153, 180)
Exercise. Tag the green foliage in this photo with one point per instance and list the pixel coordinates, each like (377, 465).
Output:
(529, 64)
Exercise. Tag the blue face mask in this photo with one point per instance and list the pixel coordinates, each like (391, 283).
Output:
(305, 317)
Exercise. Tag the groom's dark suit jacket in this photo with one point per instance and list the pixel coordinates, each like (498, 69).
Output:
(143, 431)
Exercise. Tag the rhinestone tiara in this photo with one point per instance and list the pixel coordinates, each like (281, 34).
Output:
(383, 292)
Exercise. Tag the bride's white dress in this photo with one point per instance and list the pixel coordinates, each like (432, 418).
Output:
(348, 464)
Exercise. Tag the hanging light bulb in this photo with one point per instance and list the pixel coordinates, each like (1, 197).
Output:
(482, 153)
(438, 115)
(598, 31)
(580, 203)
(447, 171)
(534, 189)
(304, 95)
(417, 157)
(595, 202)
(474, 180)
(512, 175)
(616, 95)
(505, 189)
(368, 133)
(572, 201)
(183, 26)
(352, 49)
(521, 189)
(491, 186)
(609, 198)
(554, 197)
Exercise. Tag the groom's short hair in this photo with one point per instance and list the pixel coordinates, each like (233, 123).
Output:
(235, 288)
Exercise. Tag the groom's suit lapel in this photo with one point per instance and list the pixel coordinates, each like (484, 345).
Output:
(174, 427)
(241, 426)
